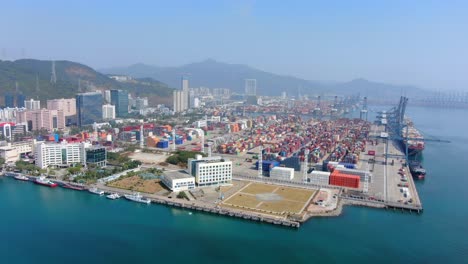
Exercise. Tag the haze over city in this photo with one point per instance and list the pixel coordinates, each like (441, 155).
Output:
(418, 43)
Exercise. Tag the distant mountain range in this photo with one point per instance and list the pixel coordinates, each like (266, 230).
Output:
(33, 78)
(214, 74)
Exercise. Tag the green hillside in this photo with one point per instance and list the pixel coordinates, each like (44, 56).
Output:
(69, 75)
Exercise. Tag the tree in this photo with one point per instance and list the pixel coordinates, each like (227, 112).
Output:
(182, 195)
(2, 161)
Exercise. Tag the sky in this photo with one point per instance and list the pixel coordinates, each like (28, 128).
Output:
(422, 43)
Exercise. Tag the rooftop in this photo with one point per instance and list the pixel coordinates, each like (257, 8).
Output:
(180, 174)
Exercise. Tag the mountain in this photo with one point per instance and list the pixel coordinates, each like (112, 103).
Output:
(29, 74)
(214, 74)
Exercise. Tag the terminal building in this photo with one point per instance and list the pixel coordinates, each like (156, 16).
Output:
(210, 171)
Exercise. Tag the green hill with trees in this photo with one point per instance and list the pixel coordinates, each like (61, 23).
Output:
(33, 79)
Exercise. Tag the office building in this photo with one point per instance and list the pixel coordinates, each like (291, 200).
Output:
(88, 108)
(250, 87)
(9, 100)
(20, 98)
(96, 156)
(108, 112)
(65, 154)
(62, 154)
(32, 104)
(210, 171)
(119, 98)
(9, 154)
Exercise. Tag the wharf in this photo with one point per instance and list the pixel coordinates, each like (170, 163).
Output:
(208, 208)
(386, 178)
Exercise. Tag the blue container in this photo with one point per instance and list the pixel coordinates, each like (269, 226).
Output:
(267, 165)
(348, 165)
(162, 144)
(189, 138)
(56, 138)
(179, 141)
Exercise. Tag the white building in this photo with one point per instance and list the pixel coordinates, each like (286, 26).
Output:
(9, 154)
(60, 155)
(32, 104)
(108, 112)
(250, 87)
(210, 171)
(282, 173)
(24, 147)
(178, 181)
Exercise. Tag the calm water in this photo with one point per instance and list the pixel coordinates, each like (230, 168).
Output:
(42, 225)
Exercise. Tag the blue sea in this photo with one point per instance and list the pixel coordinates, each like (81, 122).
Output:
(43, 225)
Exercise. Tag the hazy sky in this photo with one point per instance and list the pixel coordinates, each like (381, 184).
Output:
(423, 43)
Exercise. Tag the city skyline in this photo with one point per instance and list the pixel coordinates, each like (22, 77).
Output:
(415, 43)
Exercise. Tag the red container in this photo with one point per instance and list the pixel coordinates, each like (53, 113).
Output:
(371, 152)
(345, 180)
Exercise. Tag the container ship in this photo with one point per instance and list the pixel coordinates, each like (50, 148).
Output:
(414, 141)
(45, 182)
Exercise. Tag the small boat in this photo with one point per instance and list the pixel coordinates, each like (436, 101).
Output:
(45, 182)
(96, 191)
(76, 187)
(21, 177)
(136, 197)
(113, 196)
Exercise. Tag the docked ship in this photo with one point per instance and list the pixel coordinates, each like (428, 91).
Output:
(45, 182)
(136, 197)
(412, 139)
(113, 196)
(417, 169)
(96, 191)
(21, 177)
(76, 187)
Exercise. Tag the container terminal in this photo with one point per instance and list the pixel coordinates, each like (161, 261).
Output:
(287, 168)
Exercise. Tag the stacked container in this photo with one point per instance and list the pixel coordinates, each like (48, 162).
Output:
(345, 180)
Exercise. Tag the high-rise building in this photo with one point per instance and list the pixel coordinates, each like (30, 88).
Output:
(46, 119)
(9, 100)
(185, 84)
(88, 108)
(32, 104)
(141, 103)
(250, 87)
(107, 96)
(20, 98)
(108, 112)
(68, 106)
(119, 98)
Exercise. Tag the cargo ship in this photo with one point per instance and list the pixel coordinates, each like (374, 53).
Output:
(412, 139)
(45, 182)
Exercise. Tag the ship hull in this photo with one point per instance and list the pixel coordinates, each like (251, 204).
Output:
(51, 185)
